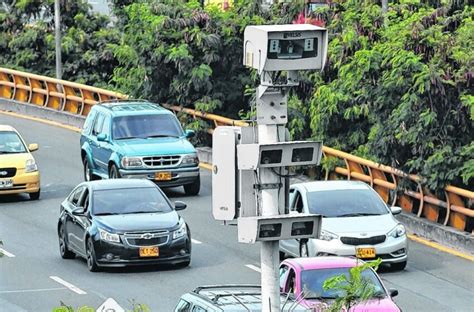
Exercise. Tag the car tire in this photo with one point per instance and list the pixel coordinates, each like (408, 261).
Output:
(304, 252)
(193, 188)
(90, 257)
(184, 264)
(35, 195)
(400, 266)
(114, 172)
(63, 248)
(88, 175)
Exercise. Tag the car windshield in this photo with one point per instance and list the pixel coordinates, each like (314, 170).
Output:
(146, 126)
(10, 143)
(128, 201)
(312, 282)
(346, 203)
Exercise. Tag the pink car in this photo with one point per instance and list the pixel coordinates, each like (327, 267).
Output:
(304, 278)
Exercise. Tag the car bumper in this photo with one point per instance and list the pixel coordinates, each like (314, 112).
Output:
(23, 183)
(393, 250)
(120, 255)
(179, 176)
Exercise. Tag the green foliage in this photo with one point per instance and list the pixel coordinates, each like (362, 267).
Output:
(355, 288)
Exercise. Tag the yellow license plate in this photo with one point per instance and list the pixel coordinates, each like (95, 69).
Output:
(149, 252)
(163, 176)
(363, 253)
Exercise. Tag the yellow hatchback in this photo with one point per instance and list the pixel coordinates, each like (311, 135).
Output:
(18, 170)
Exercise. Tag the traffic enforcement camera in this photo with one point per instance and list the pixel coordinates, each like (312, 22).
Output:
(274, 228)
(285, 47)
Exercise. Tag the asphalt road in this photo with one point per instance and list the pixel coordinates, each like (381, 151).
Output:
(33, 277)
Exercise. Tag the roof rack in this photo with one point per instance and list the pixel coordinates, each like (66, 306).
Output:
(218, 296)
(124, 101)
(226, 286)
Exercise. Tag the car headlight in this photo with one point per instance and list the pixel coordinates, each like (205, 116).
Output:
(327, 236)
(131, 162)
(397, 231)
(180, 232)
(109, 237)
(190, 159)
(30, 165)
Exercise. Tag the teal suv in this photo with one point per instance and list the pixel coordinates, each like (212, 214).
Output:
(133, 139)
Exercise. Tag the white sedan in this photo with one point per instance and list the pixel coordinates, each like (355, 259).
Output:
(356, 222)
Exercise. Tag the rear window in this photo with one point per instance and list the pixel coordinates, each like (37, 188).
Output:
(146, 126)
(346, 203)
(10, 143)
(128, 201)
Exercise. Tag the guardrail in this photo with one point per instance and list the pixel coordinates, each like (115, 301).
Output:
(455, 208)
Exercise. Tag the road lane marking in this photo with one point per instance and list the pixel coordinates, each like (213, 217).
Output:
(29, 290)
(68, 285)
(253, 267)
(6, 253)
(45, 121)
(195, 241)
(440, 247)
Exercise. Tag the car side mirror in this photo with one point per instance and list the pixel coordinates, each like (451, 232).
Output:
(393, 292)
(179, 205)
(33, 147)
(102, 137)
(79, 211)
(189, 133)
(396, 210)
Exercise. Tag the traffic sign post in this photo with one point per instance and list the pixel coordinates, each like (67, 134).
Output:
(259, 156)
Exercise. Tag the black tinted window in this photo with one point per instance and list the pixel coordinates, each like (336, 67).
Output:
(11, 143)
(133, 200)
(339, 203)
(312, 282)
(146, 126)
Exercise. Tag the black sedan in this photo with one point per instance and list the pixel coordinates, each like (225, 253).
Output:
(120, 222)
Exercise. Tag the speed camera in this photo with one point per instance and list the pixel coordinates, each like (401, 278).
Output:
(285, 47)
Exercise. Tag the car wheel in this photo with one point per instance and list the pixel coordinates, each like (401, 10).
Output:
(91, 260)
(398, 266)
(88, 175)
(184, 264)
(193, 188)
(304, 253)
(114, 172)
(35, 195)
(63, 248)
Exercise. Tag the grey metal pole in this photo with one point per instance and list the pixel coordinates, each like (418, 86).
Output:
(57, 34)
(384, 6)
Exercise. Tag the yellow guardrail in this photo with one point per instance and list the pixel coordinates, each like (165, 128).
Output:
(453, 209)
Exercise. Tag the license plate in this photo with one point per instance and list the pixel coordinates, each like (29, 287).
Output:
(163, 176)
(6, 183)
(149, 252)
(363, 253)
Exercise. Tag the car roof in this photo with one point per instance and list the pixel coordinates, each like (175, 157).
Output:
(318, 263)
(122, 108)
(332, 185)
(111, 184)
(7, 128)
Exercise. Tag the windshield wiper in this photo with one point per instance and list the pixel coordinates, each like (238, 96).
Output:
(162, 136)
(106, 214)
(133, 212)
(129, 137)
(320, 298)
(8, 152)
(358, 214)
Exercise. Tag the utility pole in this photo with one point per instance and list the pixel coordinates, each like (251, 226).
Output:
(57, 36)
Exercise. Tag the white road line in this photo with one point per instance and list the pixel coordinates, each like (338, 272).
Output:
(6, 253)
(68, 285)
(195, 241)
(253, 267)
(29, 290)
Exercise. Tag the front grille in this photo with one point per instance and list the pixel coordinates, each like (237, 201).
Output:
(354, 241)
(147, 238)
(161, 161)
(7, 172)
